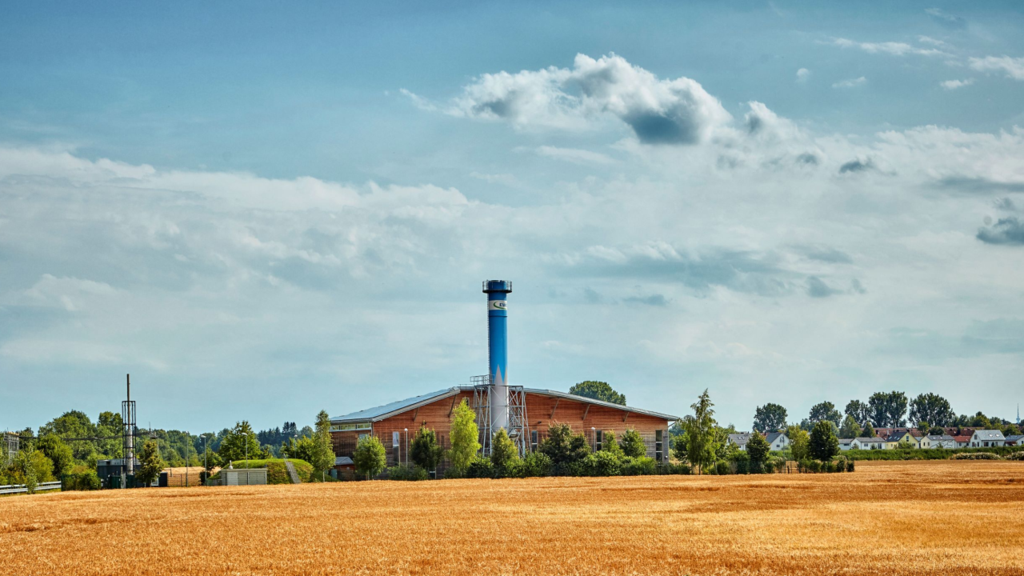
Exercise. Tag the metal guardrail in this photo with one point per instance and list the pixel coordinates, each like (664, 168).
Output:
(20, 488)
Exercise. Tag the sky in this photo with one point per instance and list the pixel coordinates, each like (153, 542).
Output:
(262, 210)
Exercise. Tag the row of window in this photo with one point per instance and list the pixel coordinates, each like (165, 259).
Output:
(396, 440)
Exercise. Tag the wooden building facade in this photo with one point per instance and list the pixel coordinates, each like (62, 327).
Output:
(396, 424)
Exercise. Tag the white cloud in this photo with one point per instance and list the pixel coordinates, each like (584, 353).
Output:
(658, 111)
(932, 41)
(1013, 67)
(891, 48)
(850, 83)
(954, 84)
(575, 155)
(802, 75)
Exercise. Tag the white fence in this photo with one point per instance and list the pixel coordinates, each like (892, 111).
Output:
(20, 488)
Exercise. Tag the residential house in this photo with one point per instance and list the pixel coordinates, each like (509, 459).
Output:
(1015, 440)
(962, 441)
(987, 439)
(892, 441)
(776, 440)
(944, 441)
(868, 443)
(846, 444)
(923, 442)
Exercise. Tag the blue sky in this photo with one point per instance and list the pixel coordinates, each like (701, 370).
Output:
(261, 211)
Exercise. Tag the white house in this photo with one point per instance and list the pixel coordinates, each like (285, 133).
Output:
(1016, 440)
(846, 443)
(944, 441)
(868, 443)
(987, 439)
(776, 440)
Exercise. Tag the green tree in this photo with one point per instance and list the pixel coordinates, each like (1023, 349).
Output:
(769, 418)
(323, 448)
(563, 448)
(758, 448)
(73, 424)
(679, 448)
(825, 411)
(869, 431)
(859, 411)
(58, 452)
(150, 463)
(425, 452)
(503, 452)
(110, 427)
(597, 391)
(240, 443)
(888, 409)
(370, 458)
(700, 434)
(824, 444)
(931, 408)
(632, 444)
(799, 443)
(610, 445)
(850, 428)
(210, 460)
(465, 438)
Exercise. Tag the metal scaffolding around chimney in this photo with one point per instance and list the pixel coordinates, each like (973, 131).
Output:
(482, 407)
(518, 426)
(128, 433)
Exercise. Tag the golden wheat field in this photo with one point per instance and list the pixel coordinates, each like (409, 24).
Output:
(886, 518)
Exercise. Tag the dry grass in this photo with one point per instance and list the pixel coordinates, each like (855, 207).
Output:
(890, 518)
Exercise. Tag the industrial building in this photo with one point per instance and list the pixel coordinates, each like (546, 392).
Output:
(525, 413)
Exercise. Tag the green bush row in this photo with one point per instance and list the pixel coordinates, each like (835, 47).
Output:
(277, 472)
(928, 454)
(87, 480)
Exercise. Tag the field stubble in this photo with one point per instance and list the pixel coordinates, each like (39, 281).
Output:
(894, 518)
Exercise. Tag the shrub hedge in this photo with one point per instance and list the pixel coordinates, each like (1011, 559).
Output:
(87, 480)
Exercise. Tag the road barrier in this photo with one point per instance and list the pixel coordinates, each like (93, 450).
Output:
(21, 488)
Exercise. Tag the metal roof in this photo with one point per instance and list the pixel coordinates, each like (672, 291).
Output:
(381, 412)
(343, 461)
(989, 435)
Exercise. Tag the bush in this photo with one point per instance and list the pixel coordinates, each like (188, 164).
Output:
(407, 473)
(480, 468)
(632, 444)
(602, 463)
(722, 467)
(1018, 456)
(742, 467)
(681, 469)
(536, 464)
(977, 456)
(640, 466)
(87, 480)
(849, 466)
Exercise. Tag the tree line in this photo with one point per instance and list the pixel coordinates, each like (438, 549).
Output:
(929, 413)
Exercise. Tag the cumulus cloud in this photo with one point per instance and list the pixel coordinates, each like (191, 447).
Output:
(817, 288)
(851, 83)
(954, 84)
(1012, 67)
(857, 165)
(802, 75)
(1008, 231)
(891, 48)
(658, 111)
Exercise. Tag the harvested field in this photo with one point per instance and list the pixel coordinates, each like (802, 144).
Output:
(932, 517)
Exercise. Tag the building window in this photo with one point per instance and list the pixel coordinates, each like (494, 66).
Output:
(658, 445)
(598, 435)
(533, 440)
